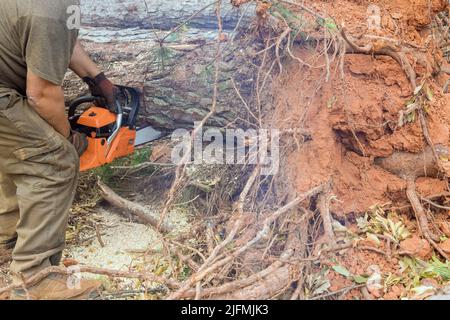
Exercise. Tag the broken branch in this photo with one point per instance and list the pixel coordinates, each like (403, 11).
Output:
(137, 210)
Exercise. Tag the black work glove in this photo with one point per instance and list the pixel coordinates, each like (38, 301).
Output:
(79, 141)
(103, 88)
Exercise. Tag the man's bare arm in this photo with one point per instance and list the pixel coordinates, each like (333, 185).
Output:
(48, 101)
(82, 64)
(99, 84)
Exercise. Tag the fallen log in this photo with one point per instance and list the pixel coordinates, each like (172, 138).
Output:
(176, 78)
(159, 14)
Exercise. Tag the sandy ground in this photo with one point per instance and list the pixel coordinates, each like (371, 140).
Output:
(127, 246)
(122, 240)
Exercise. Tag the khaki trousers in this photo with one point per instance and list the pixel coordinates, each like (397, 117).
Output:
(38, 175)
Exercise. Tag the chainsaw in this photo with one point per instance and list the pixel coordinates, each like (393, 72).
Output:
(110, 135)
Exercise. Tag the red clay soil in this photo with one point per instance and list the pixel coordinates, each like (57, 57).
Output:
(366, 103)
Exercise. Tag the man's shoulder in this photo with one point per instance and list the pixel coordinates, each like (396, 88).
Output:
(52, 9)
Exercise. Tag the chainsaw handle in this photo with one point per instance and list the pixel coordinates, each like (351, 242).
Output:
(79, 101)
(133, 105)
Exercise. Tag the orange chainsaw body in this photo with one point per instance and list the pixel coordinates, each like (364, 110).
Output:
(111, 135)
(98, 152)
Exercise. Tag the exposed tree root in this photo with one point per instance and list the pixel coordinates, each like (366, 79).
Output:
(265, 288)
(386, 50)
(446, 86)
(408, 166)
(411, 166)
(230, 288)
(421, 217)
(426, 134)
(213, 263)
(323, 205)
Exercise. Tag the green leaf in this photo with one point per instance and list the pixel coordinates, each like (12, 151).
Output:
(429, 94)
(418, 89)
(330, 24)
(338, 227)
(360, 279)
(420, 290)
(342, 271)
(373, 237)
(331, 102)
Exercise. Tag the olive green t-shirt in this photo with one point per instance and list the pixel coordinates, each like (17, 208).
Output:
(35, 35)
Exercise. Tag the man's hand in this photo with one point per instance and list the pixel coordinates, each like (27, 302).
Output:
(79, 141)
(100, 86)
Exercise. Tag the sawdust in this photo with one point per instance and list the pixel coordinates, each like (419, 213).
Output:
(121, 238)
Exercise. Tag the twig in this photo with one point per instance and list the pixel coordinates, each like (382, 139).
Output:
(238, 284)
(368, 248)
(344, 290)
(434, 204)
(143, 276)
(99, 236)
(187, 21)
(246, 190)
(242, 99)
(143, 165)
(302, 6)
(181, 170)
(207, 269)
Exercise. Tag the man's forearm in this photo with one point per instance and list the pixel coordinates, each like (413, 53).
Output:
(50, 106)
(82, 64)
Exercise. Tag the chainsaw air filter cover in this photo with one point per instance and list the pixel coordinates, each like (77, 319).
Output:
(96, 122)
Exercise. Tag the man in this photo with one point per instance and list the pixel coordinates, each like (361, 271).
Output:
(39, 154)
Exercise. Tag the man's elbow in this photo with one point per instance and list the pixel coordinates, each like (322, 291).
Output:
(35, 97)
(39, 96)
(40, 90)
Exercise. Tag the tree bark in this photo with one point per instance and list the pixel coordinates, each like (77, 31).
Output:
(158, 14)
(176, 79)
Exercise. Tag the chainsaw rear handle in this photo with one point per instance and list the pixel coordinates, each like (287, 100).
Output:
(132, 103)
(79, 101)
(126, 98)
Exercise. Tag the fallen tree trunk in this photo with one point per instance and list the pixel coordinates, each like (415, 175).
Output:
(159, 14)
(176, 78)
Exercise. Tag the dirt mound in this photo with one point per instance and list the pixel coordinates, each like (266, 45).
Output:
(354, 117)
